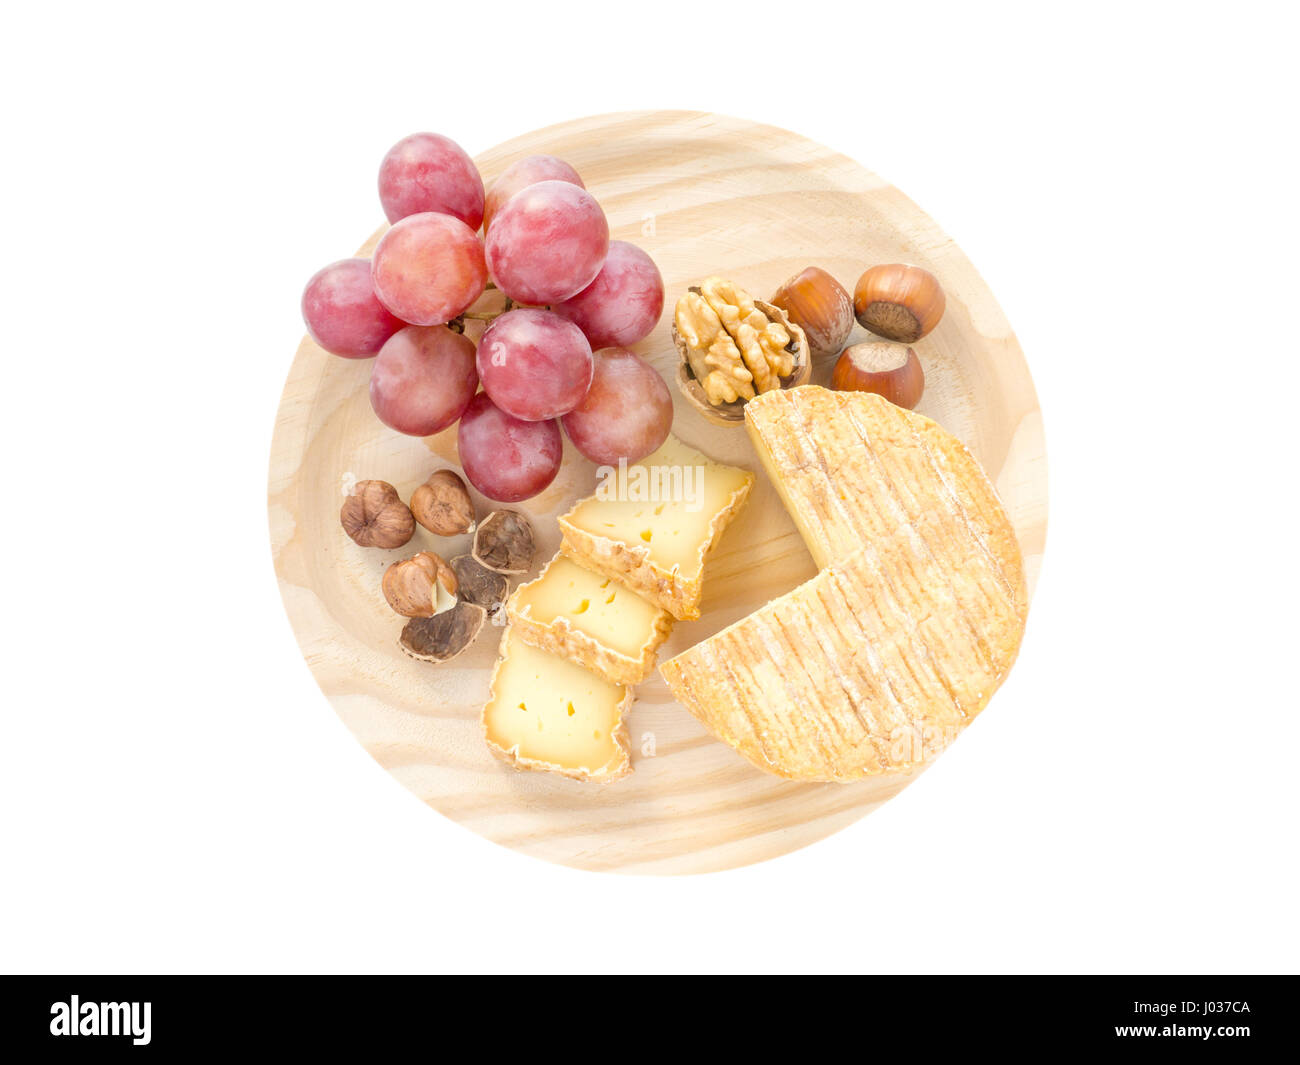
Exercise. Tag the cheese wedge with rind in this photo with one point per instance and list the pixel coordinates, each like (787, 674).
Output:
(656, 542)
(546, 713)
(590, 619)
(877, 663)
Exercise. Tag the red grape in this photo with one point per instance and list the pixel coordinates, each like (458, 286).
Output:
(505, 458)
(342, 313)
(623, 304)
(429, 268)
(627, 413)
(520, 174)
(430, 172)
(547, 243)
(534, 364)
(423, 379)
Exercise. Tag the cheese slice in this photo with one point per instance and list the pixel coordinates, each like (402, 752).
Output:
(590, 619)
(877, 663)
(652, 525)
(550, 714)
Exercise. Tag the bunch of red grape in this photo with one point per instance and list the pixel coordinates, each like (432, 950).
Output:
(555, 357)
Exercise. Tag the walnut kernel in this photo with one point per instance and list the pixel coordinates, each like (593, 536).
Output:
(735, 346)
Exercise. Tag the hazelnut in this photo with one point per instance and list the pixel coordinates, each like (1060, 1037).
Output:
(443, 636)
(818, 303)
(443, 506)
(420, 586)
(889, 370)
(504, 542)
(899, 302)
(374, 516)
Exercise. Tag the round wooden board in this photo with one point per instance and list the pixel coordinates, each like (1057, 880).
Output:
(703, 194)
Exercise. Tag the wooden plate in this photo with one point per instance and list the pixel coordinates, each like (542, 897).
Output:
(703, 194)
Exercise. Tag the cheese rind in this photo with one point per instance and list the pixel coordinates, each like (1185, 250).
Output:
(655, 540)
(877, 663)
(590, 619)
(546, 713)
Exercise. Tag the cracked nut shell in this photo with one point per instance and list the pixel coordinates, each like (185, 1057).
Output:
(479, 585)
(443, 636)
(504, 542)
(443, 505)
(375, 516)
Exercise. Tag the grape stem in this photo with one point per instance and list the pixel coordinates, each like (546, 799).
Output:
(457, 325)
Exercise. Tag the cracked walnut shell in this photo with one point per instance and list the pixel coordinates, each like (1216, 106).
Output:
(734, 347)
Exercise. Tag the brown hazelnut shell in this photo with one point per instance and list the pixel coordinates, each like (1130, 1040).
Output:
(898, 302)
(819, 305)
(442, 637)
(733, 414)
(504, 542)
(889, 370)
(479, 585)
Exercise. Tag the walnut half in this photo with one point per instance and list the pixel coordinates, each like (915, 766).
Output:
(734, 347)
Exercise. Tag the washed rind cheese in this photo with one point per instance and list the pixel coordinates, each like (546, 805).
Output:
(549, 714)
(877, 663)
(590, 619)
(652, 526)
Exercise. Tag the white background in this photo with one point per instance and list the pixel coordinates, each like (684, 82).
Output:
(177, 795)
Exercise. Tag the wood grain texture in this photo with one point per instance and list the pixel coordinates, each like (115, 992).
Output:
(702, 194)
